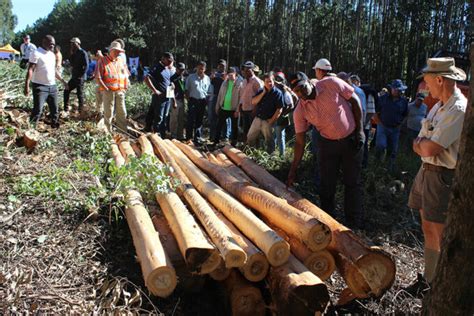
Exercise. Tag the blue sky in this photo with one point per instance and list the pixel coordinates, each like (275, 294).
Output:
(28, 11)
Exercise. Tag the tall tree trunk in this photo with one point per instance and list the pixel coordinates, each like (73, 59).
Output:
(452, 292)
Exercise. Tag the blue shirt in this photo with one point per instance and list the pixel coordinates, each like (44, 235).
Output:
(161, 77)
(270, 102)
(415, 115)
(363, 99)
(198, 88)
(392, 112)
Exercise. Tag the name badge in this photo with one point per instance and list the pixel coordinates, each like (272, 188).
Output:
(170, 92)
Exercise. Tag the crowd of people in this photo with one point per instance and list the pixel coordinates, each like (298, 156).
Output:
(338, 109)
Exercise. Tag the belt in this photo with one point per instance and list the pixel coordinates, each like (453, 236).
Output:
(430, 167)
(337, 140)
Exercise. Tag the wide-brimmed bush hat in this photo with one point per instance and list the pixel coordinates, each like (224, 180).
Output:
(444, 67)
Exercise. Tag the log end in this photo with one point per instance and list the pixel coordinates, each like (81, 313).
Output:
(245, 299)
(162, 281)
(321, 263)
(256, 268)
(211, 263)
(221, 273)
(319, 236)
(202, 260)
(235, 258)
(371, 275)
(378, 270)
(278, 253)
(309, 299)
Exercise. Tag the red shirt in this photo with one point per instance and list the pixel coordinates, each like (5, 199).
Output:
(329, 112)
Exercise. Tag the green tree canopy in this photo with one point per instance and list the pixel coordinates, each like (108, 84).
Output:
(379, 40)
(8, 22)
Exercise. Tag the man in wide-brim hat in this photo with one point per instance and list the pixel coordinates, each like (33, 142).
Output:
(438, 144)
(112, 76)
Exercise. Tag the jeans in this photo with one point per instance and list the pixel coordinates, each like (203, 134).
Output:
(212, 117)
(196, 109)
(78, 84)
(177, 119)
(224, 116)
(227, 132)
(114, 105)
(259, 125)
(157, 114)
(387, 139)
(42, 94)
(280, 138)
(335, 155)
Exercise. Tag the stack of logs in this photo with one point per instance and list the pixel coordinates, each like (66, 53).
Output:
(231, 219)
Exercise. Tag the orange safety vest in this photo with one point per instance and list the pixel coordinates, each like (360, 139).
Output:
(114, 73)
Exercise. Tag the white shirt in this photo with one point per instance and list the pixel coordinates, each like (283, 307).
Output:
(443, 125)
(45, 71)
(27, 49)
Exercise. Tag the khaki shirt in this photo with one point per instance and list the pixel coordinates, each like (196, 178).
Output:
(443, 125)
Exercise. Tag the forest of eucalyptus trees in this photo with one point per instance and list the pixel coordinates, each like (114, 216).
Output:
(378, 39)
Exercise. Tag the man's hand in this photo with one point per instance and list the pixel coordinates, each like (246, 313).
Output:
(26, 90)
(66, 86)
(156, 92)
(236, 114)
(270, 121)
(291, 177)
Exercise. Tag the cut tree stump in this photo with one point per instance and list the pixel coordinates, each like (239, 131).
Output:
(273, 246)
(294, 222)
(200, 254)
(157, 269)
(30, 139)
(297, 291)
(368, 271)
(232, 253)
(245, 298)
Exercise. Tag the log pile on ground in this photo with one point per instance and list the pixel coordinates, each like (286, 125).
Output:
(232, 220)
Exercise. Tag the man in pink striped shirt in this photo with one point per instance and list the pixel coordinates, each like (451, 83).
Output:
(329, 105)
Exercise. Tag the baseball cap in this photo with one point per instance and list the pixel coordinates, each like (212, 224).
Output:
(323, 64)
(280, 77)
(181, 66)
(248, 64)
(355, 78)
(298, 79)
(168, 55)
(222, 62)
(232, 70)
(343, 75)
(27, 36)
(75, 40)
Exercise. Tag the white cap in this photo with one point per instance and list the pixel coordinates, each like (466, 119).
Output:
(323, 64)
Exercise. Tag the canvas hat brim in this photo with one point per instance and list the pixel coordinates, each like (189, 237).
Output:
(401, 88)
(459, 75)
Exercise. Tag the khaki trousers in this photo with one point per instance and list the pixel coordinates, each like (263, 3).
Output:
(261, 126)
(114, 106)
